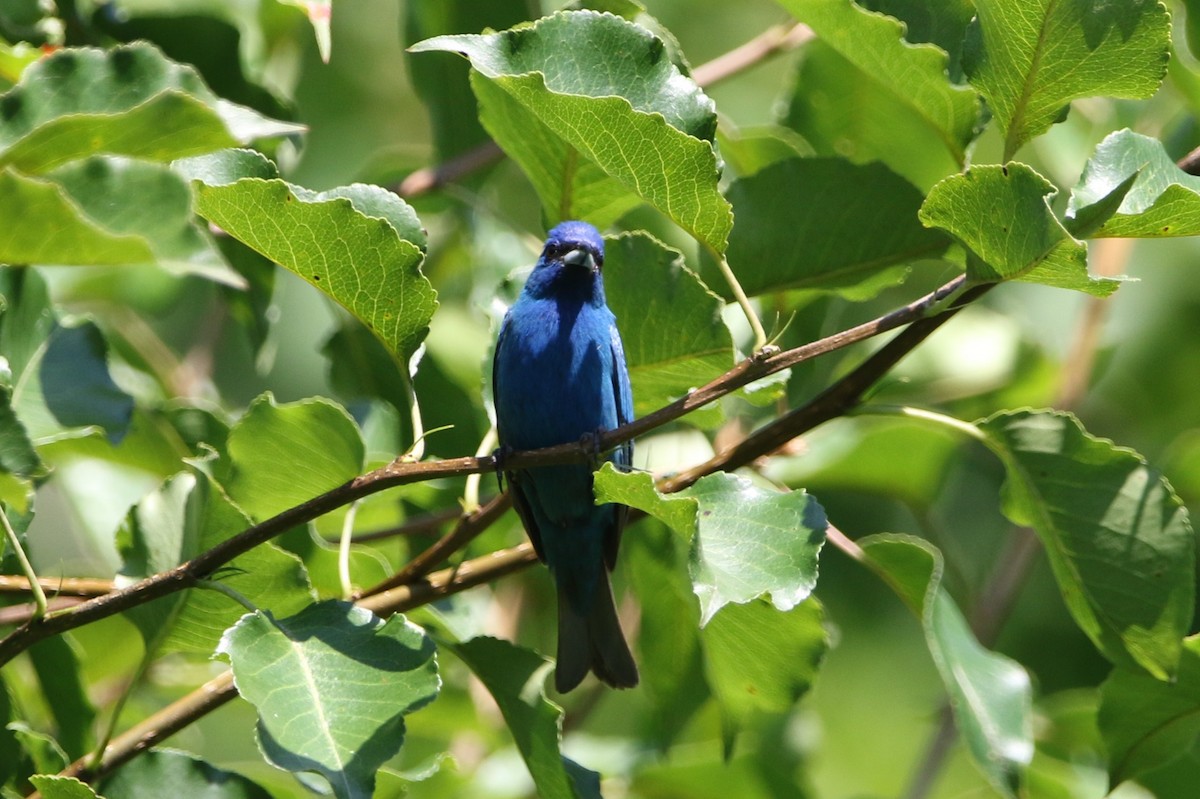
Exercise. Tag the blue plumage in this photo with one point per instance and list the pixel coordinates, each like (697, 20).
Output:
(559, 375)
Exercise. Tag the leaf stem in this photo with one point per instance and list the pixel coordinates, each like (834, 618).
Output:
(35, 587)
(966, 428)
(756, 325)
(344, 549)
(470, 502)
(229, 591)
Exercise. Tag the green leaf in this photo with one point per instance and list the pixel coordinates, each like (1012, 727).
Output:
(332, 685)
(1147, 723)
(589, 129)
(1001, 214)
(516, 678)
(759, 659)
(162, 772)
(869, 211)
(44, 753)
(1162, 199)
(1117, 537)
(441, 79)
(750, 150)
(52, 787)
(843, 111)
(669, 650)
(361, 245)
(130, 100)
(58, 671)
(319, 14)
(186, 516)
(283, 455)
(746, 541)
(139, 198)
(989, 693)
(77, 386)
(912, 76)
(671, 326)
(19, 461)
(1031, 58)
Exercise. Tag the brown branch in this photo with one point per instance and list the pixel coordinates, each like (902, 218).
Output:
(59, 586)
(402, 472)
(417, 525)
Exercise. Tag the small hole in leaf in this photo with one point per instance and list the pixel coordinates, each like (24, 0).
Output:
(317, 278)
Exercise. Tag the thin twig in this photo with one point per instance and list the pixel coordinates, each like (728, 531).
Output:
(58, 586)
(35, 587)
(403, 472)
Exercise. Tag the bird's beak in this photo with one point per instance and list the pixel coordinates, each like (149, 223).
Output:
(582, 258)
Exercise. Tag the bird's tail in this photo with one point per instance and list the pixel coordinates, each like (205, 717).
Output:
(592, 641)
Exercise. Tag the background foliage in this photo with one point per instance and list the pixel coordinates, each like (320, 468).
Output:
(255, 251)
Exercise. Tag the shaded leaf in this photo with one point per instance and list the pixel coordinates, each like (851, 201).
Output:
(990, 694)
(746, 541)
(516, 677)
(557, 101)
(1117, 537)
(58, 672)
(130, 100)
(20, 464)
(826, 224)
(1030, 59)
(913, 76)
(164, 772)
(1159, 198)
(188, 515)
(759, 659)
(1000, 213)
(361, 245)
(332, 685)
(1147, 723)
(671, 326)
(76, 383)
(283, 455)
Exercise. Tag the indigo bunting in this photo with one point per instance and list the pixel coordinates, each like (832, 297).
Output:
(559, 376)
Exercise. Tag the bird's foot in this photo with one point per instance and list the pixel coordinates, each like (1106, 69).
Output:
(499, 456)
(589, 444)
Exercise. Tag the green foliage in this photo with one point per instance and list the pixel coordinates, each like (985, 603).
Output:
(332, 685)
(173, 258)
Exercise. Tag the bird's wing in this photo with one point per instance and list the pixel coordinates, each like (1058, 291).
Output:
(623, 455)
(516, 486)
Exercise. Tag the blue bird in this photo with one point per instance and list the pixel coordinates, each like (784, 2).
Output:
(559, 376)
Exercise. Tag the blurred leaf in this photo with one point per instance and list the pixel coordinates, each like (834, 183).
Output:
(360, 367)
(319, 13)
(1147, 723)
(130, 100)
(19, 461)
(759, 659)
(10, 749)
(571, 121)
(1031, 58)
(912, 75)
(340, 241)
(77, 386)
(283, 455)
(186, 516)
(943, 23)
(749, 150)
(43, 752)
(671, 326)
(1001, 214)
(516, 677)
(332, 685)
(990, 694)
(52, 787)
(1162, 200)
(139, 198)
(441, 79)
(668, 638)
(1117, 537)
(843, 111)
(869, 211)
(58, 672)
(162, 772)
(746, 541)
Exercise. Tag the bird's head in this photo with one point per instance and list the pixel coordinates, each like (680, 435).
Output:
(570, 264)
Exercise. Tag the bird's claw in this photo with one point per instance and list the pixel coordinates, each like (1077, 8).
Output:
(589, 444)
(499, 456)
(765, 352)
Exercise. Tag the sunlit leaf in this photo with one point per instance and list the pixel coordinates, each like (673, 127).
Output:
(54, 787)
(589, 129)
(361, 245)
(1031, 58)
(990, 694)
(332, 685)
(1117, 537)
(1000, 213)
(1162, 199)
